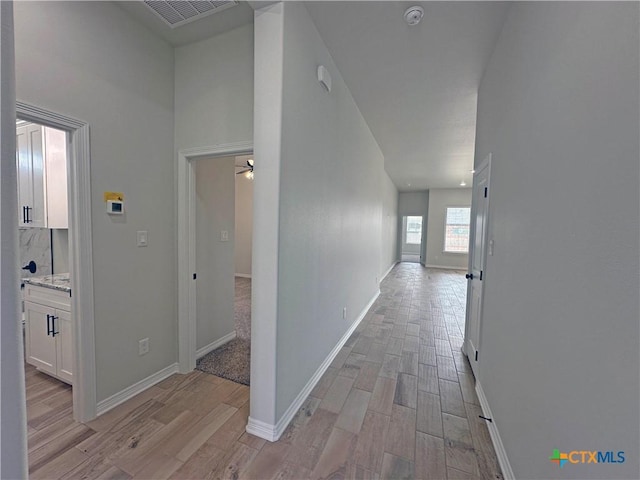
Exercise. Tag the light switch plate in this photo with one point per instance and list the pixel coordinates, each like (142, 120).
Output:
(142, 238)
(224, 236)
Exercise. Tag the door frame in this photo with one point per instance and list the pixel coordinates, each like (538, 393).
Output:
(80, 253)
(485, 164)
(186, 213)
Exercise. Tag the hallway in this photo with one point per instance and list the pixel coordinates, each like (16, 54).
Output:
(397, 402)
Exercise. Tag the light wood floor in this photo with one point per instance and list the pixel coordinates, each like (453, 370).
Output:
(397, 402)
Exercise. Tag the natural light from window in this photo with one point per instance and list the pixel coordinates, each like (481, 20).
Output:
(456, 232)
(414, 230)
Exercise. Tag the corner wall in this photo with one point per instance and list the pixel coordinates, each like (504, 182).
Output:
(439, 200)
(558, 110)
(330, 209)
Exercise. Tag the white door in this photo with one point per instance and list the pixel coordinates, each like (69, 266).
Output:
(477, 257)
(64, 337)
(40, 344)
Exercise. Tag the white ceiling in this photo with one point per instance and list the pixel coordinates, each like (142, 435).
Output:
(416, 86)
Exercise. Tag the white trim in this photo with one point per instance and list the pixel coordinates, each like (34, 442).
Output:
(114, 400)
(444, 267)
(81, 254)
(201, 352)
(501, 453)
(273, 432)
(243, 275)
(186, 191)
(263, 430)
(388, 271)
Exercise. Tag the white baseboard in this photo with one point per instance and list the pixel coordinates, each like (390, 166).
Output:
(263, 430)
(272, 432)
(243, 275)
(444, 267)
(501, 453)
(201, 352)
(388, 271)
(139, 387)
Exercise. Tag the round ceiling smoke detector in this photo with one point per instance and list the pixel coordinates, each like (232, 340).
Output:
(413, 15)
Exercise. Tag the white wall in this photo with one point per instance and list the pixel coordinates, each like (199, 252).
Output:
(13, 454)
(558, 109)
(389, 245)
(91, 61)
(439, 200)
(214, 90)
(215, 212)
(244, 224)
(330, 218)
(60, 250)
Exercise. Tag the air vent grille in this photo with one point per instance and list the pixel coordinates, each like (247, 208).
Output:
(176, 13)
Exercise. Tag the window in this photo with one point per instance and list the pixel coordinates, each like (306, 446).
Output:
(414, 230)
(456, 230)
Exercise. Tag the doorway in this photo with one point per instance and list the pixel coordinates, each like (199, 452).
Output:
(412, 237)
(71, 251)
(188, 274)
(223, 218)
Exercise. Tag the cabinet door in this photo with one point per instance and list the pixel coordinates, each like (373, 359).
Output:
(23, 168)
(64, 339)
(30, 155)
(38, 212)
(40, 346)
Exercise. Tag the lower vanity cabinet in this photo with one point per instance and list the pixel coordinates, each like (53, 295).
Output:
(48, 334)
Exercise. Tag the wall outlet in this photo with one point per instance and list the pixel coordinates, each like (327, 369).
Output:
(344, 313)
(224, 236)
(143, 346)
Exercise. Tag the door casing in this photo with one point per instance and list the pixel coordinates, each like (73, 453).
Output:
(80, 253)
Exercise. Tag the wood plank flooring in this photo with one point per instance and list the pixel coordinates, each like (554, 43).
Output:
(397, 402)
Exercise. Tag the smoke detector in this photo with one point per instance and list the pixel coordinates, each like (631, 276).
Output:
(413, 15)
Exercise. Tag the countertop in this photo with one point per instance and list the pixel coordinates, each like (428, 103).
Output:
(58, 281)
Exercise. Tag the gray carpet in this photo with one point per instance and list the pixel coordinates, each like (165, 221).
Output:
(242, 309)
(232, 360)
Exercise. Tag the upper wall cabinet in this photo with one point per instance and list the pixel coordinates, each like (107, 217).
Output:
(41, 161)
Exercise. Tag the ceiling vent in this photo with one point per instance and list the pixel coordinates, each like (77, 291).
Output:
(180, 12)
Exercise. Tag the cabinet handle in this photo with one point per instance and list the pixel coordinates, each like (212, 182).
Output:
(28, 220)
(49, 329)
(24, 214)
(53, 326)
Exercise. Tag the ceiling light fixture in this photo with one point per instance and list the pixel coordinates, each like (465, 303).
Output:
(248, 169)
(413, 15)
(473, 170)
(463, 183)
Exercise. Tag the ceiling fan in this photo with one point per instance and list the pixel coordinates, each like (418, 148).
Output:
(248, 169)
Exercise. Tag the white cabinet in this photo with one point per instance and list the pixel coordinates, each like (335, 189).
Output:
(48, 334)
(41, 161)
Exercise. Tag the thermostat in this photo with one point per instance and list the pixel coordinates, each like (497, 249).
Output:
(115, 207)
